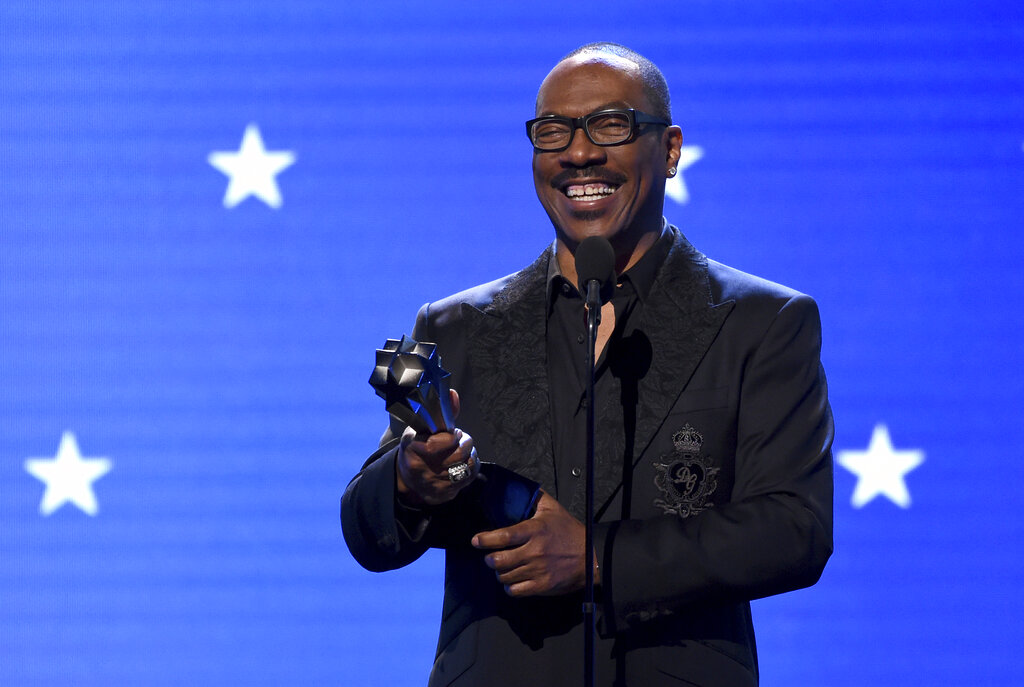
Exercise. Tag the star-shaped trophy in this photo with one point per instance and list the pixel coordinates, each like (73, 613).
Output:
(409, 377)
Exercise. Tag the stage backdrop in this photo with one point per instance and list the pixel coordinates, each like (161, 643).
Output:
(211, 214)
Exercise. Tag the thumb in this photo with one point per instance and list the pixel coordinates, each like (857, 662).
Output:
(455, 402)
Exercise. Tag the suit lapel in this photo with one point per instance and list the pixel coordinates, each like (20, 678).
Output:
(507, 358)
(680, 322)
(508, 353)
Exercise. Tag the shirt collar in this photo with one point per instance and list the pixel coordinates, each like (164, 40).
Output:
(641, 275)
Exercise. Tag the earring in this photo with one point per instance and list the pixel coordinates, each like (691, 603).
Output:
(671, 171)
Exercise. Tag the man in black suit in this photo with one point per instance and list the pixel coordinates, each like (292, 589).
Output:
(714, 470)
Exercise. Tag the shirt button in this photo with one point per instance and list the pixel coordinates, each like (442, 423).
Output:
(566, 288)
(580, 338)
(576, 472)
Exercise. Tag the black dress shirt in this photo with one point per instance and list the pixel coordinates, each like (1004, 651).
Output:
(567, 366)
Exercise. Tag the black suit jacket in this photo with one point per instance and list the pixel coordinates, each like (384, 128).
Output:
(717, 491)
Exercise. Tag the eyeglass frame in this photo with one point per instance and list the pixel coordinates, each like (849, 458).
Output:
(636, 119)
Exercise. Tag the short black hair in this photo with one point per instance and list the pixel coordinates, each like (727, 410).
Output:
(655, 86)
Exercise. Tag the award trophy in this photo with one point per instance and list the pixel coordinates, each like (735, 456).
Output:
(409, 377)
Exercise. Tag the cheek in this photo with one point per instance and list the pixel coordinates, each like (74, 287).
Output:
(543, 167)
(540, 178)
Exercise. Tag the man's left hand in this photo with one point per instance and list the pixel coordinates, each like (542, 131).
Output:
(541, 556)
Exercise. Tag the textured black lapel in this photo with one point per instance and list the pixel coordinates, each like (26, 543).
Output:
(680, 323)
(507, 357)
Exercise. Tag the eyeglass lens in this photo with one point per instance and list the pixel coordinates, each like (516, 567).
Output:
(606, 128)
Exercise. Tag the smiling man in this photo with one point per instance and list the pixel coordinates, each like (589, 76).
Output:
(713, 458)
(610, 179)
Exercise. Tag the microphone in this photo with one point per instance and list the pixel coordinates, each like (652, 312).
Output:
(595, 265)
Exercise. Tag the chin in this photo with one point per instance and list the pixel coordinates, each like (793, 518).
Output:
(576, 231)
(588, 215)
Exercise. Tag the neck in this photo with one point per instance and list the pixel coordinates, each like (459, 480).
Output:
(625, 257)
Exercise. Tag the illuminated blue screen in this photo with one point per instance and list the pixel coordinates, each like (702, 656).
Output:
(211, 214)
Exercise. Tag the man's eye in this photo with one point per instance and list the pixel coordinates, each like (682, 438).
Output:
(610, 126)
(550, 132)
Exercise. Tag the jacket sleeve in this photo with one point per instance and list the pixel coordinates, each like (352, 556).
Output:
(378, 533)
(775, 533)
(383, 534)
(368, 516)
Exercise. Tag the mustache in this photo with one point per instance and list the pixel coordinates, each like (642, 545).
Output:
(598, 173)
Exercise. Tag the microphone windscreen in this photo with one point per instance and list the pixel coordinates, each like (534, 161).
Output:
(595, 259)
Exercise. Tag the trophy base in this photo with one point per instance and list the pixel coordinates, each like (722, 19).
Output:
(503, 496)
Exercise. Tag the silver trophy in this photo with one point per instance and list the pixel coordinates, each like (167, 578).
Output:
(409, 377)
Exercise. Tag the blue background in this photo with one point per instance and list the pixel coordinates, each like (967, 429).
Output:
(867, 153)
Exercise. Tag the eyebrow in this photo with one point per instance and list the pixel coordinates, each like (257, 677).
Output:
(614, 105)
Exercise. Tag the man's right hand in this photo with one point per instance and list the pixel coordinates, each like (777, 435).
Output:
(423, 461)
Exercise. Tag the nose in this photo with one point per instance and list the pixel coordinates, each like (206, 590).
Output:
(581, 151)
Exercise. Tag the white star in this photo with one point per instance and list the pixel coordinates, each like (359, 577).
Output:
(252, 170)
(880, 469)
(675, 187)
(68, 477)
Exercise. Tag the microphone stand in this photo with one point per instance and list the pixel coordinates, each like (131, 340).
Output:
(589, 622)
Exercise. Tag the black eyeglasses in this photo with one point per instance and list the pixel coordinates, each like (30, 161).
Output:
(553, 133)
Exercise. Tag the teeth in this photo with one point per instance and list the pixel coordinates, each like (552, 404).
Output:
(589, 191)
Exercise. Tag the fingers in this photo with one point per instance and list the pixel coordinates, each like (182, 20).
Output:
(514, 568)
(503, 538)
(508, 566)
(512, 561)
(522, 581)
(433, 469)
(433, 450)
(522, 532)
(515, 563)
(520, 573)
(543, 555)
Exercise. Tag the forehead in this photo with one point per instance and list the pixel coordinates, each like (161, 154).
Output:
(586, 83)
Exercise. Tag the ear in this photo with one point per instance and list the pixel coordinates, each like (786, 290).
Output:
(673, 140)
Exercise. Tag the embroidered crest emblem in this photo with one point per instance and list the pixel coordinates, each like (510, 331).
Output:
(685, 477)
